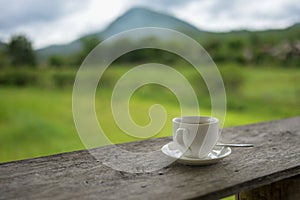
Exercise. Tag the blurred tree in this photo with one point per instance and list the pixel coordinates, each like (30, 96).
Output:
(56, 61)
(236, 48)
(20, 51)
(215, 48)
(4, 59)
(236, 44)
(88, 44)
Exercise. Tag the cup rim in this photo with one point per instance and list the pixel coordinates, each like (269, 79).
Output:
(177, 120)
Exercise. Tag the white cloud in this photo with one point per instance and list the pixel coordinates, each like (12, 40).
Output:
(63, 21)
(93, 16)
(221, 15)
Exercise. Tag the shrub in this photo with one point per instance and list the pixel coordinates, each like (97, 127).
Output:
(63, 79)
(56, 61)
(18, 77)
(233, 78)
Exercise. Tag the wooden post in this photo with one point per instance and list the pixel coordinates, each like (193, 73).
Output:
(287, 189)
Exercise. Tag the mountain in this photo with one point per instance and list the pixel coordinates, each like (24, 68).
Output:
(60, 49)
(134, 18)
(142, 17)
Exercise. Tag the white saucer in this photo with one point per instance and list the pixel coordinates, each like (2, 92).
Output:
(218, 153)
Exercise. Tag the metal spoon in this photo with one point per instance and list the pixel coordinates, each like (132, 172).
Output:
(235, 145)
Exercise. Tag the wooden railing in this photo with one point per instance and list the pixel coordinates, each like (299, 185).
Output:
(270, 170)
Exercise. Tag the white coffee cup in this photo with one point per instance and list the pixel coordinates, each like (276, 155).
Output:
(195, 136)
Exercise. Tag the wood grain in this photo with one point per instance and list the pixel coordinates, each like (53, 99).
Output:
(287, 189)
(78, 175)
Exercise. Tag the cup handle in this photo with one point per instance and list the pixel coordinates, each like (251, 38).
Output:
(179, 136)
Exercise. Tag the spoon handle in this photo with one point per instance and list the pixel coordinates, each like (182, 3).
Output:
(235, 145)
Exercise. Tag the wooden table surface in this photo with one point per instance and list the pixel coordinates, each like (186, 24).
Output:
(78, 175)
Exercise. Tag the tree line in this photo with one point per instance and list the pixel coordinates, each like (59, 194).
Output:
(250, 50)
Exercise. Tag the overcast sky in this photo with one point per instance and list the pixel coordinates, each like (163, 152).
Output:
(61, 21)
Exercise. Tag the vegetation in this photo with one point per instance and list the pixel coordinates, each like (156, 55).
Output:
(276, 47)
(260, 71)
(20, 51)
(58, 61)
(37, 120)
(35, 103)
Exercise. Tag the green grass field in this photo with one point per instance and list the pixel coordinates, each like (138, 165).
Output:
(35, 121)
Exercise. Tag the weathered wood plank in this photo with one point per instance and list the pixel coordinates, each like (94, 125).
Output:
(78, 175)
(287, 189)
